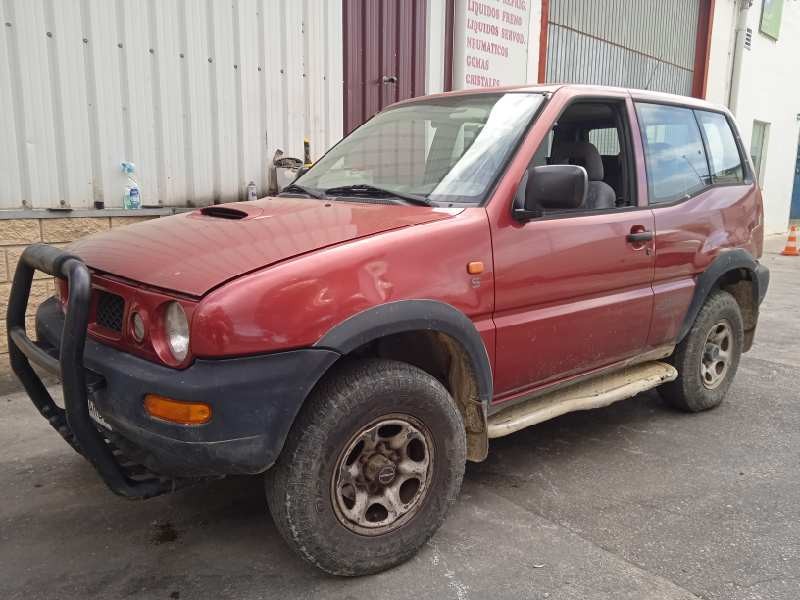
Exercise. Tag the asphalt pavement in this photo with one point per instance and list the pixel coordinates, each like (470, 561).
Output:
(635, 501)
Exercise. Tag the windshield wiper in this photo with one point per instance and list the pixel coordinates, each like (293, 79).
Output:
(364, 189)
(293, 187)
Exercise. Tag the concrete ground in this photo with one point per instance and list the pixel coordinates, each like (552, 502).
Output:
(635, 501)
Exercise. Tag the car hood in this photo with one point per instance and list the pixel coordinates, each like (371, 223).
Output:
(193, 252)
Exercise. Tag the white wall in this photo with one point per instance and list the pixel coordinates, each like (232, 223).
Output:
(197, 94)
(769, 91)
(721, 54)
(434, 46)
(534, 37)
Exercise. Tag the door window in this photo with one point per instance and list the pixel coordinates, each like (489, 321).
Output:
(591, 134)
(674, 154)
(723, 153)
(758, 146)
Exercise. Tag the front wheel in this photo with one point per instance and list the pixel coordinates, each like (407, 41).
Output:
(371, 466)
(708, 357)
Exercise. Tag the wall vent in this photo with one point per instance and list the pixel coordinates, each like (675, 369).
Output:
(748, 38)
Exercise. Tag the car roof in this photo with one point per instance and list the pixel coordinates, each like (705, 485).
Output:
(636, 94)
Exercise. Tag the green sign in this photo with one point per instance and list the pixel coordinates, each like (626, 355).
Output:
(771, 11)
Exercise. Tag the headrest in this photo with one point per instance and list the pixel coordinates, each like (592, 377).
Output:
(583, 154)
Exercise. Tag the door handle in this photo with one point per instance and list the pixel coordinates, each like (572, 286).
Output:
(389, 79)
(639, 237)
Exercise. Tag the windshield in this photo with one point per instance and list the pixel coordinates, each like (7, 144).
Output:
(445, 150)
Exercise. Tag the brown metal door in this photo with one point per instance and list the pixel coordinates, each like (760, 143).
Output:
(384, 55)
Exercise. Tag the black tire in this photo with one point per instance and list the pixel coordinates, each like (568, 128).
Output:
(689, 392)
(300, 487)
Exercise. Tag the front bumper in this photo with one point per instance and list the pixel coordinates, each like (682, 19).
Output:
(254, 400)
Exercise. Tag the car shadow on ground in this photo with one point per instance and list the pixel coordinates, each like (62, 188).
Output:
(222, 531)
(238, 503)
(590, 489)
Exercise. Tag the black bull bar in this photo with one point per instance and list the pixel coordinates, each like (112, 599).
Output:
(72, 422)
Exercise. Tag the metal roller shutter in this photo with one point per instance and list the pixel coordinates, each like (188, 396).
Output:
(648, 44)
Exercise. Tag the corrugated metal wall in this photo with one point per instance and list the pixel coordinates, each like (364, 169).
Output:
(636, 44)
(197, 93)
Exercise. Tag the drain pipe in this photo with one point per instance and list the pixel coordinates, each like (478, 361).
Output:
(738, 51)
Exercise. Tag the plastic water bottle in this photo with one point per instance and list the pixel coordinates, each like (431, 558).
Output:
(251, 192)
(131, 199)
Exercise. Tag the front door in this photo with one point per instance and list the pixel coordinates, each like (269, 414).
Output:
(795, 212)
(573, 289)
(572, 294)
(384, 55)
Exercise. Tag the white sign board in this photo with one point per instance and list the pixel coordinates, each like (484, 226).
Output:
(490, 43)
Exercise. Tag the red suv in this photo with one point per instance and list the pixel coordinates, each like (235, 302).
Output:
(459, 267)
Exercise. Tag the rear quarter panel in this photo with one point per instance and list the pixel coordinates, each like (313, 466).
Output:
(293, 304)
(689, 236)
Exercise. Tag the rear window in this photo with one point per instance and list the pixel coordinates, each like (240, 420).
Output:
(723, 153)
(674, 154)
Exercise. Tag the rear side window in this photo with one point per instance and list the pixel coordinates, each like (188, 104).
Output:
(605, 140)
(723, 153)
(673, 151)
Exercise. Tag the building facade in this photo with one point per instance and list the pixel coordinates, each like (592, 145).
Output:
(201, 95)
(756, 74)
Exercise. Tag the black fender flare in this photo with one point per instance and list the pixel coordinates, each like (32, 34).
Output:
(414, 315)
(725, 262)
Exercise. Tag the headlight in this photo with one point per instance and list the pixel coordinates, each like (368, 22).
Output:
(177, 330)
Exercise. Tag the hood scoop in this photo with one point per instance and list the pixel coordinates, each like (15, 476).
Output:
(224, 212)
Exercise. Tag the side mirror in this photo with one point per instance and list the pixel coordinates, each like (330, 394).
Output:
(550, 186)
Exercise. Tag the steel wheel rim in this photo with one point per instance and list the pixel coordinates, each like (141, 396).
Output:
(382, 475)
(717, 354)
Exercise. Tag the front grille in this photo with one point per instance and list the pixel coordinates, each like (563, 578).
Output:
(110, 311)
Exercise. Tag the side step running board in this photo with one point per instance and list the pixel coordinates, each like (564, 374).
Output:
(594, 393)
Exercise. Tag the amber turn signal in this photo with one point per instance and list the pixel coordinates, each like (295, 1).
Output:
(475, 268)
(176, 411)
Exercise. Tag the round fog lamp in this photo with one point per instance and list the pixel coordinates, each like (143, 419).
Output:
(177, 330)
(137, 327)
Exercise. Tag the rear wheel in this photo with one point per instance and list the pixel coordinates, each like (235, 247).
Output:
(371, 466)
(708, 357)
